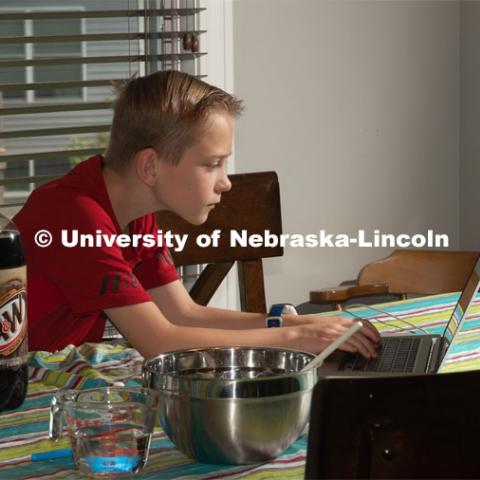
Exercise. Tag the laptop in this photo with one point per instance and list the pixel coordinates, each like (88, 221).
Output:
(403, 354)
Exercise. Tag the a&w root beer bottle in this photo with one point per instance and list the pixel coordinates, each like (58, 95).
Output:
(13, 318)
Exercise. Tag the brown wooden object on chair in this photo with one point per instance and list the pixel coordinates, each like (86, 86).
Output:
(253, 205)
(423, 272)
(395, 427)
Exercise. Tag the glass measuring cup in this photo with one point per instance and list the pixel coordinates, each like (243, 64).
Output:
(109, 428)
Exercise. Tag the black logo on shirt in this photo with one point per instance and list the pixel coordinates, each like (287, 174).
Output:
(165, 258)
(117, 282)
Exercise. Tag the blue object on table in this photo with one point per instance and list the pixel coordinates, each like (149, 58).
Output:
(117, 464)
(52, 454)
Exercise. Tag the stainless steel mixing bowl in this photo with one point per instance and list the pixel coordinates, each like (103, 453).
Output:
(232, 405)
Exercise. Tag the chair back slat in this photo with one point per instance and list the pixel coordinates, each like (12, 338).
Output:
(209, 281)
(420, 271)
(252, 288)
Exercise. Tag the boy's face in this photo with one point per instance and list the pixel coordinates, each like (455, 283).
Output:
(192, 188)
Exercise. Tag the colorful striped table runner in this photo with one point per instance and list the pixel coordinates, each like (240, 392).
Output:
(25, 431)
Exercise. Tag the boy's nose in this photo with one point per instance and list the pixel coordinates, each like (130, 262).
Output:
(224, 185)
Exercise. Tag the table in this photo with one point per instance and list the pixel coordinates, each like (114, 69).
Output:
(25, 431)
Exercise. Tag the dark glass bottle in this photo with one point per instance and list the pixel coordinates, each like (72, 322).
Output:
(13, 317)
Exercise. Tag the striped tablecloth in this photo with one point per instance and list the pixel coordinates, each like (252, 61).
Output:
(25, 431)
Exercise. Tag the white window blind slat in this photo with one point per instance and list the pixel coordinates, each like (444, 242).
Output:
(41, 179)
(8, 87)
(48, 132)
(96, 37)
(115, 59)
(69, 107)
(126, 13)
(59, 154)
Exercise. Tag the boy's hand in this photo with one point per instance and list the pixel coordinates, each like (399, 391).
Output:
(317, 332)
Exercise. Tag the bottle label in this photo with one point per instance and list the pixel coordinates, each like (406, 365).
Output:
(13, 315)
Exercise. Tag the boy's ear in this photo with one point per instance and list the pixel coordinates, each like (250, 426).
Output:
(145, 163)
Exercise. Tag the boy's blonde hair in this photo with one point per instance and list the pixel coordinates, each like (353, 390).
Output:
(165, 111)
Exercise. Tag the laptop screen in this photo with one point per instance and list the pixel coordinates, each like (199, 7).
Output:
(463, 303)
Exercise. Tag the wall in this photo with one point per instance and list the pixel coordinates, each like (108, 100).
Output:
(469, 125)
(355, 104)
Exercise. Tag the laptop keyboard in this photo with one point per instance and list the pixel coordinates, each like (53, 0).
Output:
(396, 355)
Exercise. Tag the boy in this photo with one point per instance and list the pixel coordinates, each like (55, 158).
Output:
(169, 143)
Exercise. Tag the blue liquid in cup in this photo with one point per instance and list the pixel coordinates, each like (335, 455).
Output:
(119, 464)
(118, 449)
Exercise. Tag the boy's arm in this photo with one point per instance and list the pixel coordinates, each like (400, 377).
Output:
(147, 329)
(177, 305)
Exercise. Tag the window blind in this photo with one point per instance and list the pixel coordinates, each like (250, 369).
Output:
(58, 64)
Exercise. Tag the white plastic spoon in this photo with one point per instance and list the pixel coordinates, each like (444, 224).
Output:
(318, 360)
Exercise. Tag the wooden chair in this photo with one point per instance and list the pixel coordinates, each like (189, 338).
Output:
(420, 272)
(395, 427)
(253, 204)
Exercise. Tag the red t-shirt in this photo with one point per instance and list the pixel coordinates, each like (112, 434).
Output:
(68, 287)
